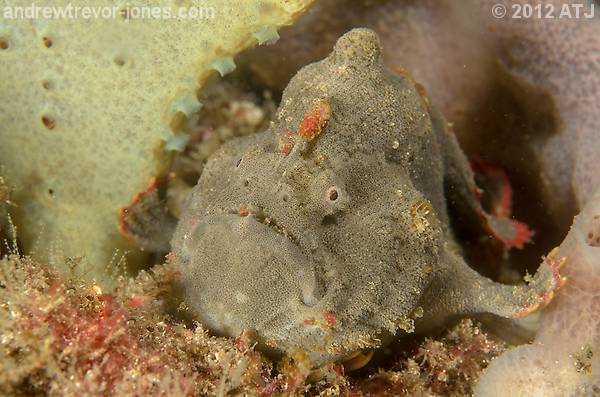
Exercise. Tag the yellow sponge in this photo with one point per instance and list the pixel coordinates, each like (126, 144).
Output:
(89, 107)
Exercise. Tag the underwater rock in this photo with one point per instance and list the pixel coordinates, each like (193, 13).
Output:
(329, 231)
(563, 360)
(90, 105)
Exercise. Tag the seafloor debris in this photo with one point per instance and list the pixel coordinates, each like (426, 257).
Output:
(5, 221)
(65, 337)
(4, 192)
(147, 221)
(446, 366)
(228, 111)
(330, 245)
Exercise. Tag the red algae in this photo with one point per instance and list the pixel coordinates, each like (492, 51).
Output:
(65, 337)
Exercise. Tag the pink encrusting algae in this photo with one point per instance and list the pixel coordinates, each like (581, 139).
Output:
(65, 337)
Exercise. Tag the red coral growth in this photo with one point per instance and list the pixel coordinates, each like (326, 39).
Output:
(460, 356)
(138, 300)
(92, 330)
(315, 120)
(63, 338)
(242, 342)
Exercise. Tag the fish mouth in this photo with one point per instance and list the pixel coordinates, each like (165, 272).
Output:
(251, 256)
(266, 219)
(262, 217)
(247, 272)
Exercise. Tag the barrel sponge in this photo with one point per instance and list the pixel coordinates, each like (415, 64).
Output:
(88, 104)
(564, 359)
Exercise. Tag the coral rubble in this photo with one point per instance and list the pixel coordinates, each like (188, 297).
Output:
(65, 337)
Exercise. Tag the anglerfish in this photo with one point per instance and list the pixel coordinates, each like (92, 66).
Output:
(329, 232)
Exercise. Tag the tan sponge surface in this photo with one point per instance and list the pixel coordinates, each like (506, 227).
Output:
(87, 106)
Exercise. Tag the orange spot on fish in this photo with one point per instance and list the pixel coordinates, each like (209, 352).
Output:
(330, 318)
(315, 120)
(285, 148)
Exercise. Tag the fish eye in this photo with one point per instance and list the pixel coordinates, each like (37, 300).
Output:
(237, 164)
(332, 194)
